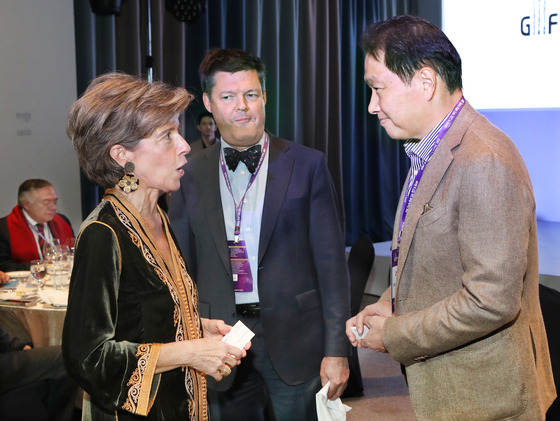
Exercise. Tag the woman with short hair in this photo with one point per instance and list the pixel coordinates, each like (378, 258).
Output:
(133, 338)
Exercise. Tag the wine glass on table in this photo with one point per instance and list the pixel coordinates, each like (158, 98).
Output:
(51, 253)
(69, 244)
(51, 248)
(38, 270)
(65, 262)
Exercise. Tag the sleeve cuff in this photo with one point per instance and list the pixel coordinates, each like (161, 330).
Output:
(143, 383)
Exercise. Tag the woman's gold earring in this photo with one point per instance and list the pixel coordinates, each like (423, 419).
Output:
(128, 182)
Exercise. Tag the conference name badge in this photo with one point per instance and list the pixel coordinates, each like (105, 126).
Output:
(240, 267)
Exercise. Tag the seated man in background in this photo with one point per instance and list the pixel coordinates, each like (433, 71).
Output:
(33, 382)
(31, 224)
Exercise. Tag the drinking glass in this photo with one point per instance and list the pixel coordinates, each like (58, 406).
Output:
(58, 268)
(65, 260)
(49, 257)
(70, 243)
(38, 271)
(50, 248)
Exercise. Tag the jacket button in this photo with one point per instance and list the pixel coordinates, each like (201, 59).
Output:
(233, 313)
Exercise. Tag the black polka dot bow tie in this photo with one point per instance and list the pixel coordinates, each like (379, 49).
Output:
(250, 157)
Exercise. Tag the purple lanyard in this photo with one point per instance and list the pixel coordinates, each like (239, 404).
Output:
(412, 186)
(239, 207)
(36, 231)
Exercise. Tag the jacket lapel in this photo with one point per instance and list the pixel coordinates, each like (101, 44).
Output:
(280, 167)
(212, 202)
(433, 174)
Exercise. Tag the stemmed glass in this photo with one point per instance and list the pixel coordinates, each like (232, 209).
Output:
(69, 244)
(38, 271)
(49, 256)
(50, 250)
(65, 260)
(55, 259)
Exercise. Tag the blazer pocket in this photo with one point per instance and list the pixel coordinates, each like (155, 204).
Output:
(498, 367)
(308, 300)
(436, 213)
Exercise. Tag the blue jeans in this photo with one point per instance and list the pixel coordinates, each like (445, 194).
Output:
(259, 394)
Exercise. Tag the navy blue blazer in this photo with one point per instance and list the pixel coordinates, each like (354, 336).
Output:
(302, 276)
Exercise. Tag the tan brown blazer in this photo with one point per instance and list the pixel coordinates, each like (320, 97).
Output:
(468, 325)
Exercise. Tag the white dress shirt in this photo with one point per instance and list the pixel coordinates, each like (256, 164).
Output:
(251, 216)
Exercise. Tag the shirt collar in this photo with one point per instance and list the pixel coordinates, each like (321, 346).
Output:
(224, 144)
(29, 218)
(421, 152)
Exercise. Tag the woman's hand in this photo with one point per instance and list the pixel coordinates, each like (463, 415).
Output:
(209, 355)
(214, 357)
(214, 328)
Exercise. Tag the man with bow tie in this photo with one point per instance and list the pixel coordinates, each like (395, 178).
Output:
(257, 222)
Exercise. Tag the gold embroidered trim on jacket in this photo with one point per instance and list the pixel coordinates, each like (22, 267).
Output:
(181, 288)
(140, 397)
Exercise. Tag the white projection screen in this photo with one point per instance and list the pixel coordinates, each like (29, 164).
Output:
(511, 59)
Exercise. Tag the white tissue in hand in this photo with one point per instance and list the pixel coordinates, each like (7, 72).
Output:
(328, 410)
(364, 333)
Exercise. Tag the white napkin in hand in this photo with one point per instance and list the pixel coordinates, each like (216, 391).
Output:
(328, 410)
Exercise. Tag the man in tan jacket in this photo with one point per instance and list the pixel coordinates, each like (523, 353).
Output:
(462, 314)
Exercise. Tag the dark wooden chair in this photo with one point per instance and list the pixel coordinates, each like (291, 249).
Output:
(550, 303)
(360, 262)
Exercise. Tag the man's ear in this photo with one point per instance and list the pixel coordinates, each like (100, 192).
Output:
(428, 81)
(207, 102)
(24, 203)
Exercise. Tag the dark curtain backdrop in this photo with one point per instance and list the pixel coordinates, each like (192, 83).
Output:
(315, 89)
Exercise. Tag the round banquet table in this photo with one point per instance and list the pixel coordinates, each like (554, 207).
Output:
(43, 323)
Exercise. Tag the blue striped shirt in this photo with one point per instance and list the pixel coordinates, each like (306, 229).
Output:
(421, 152)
